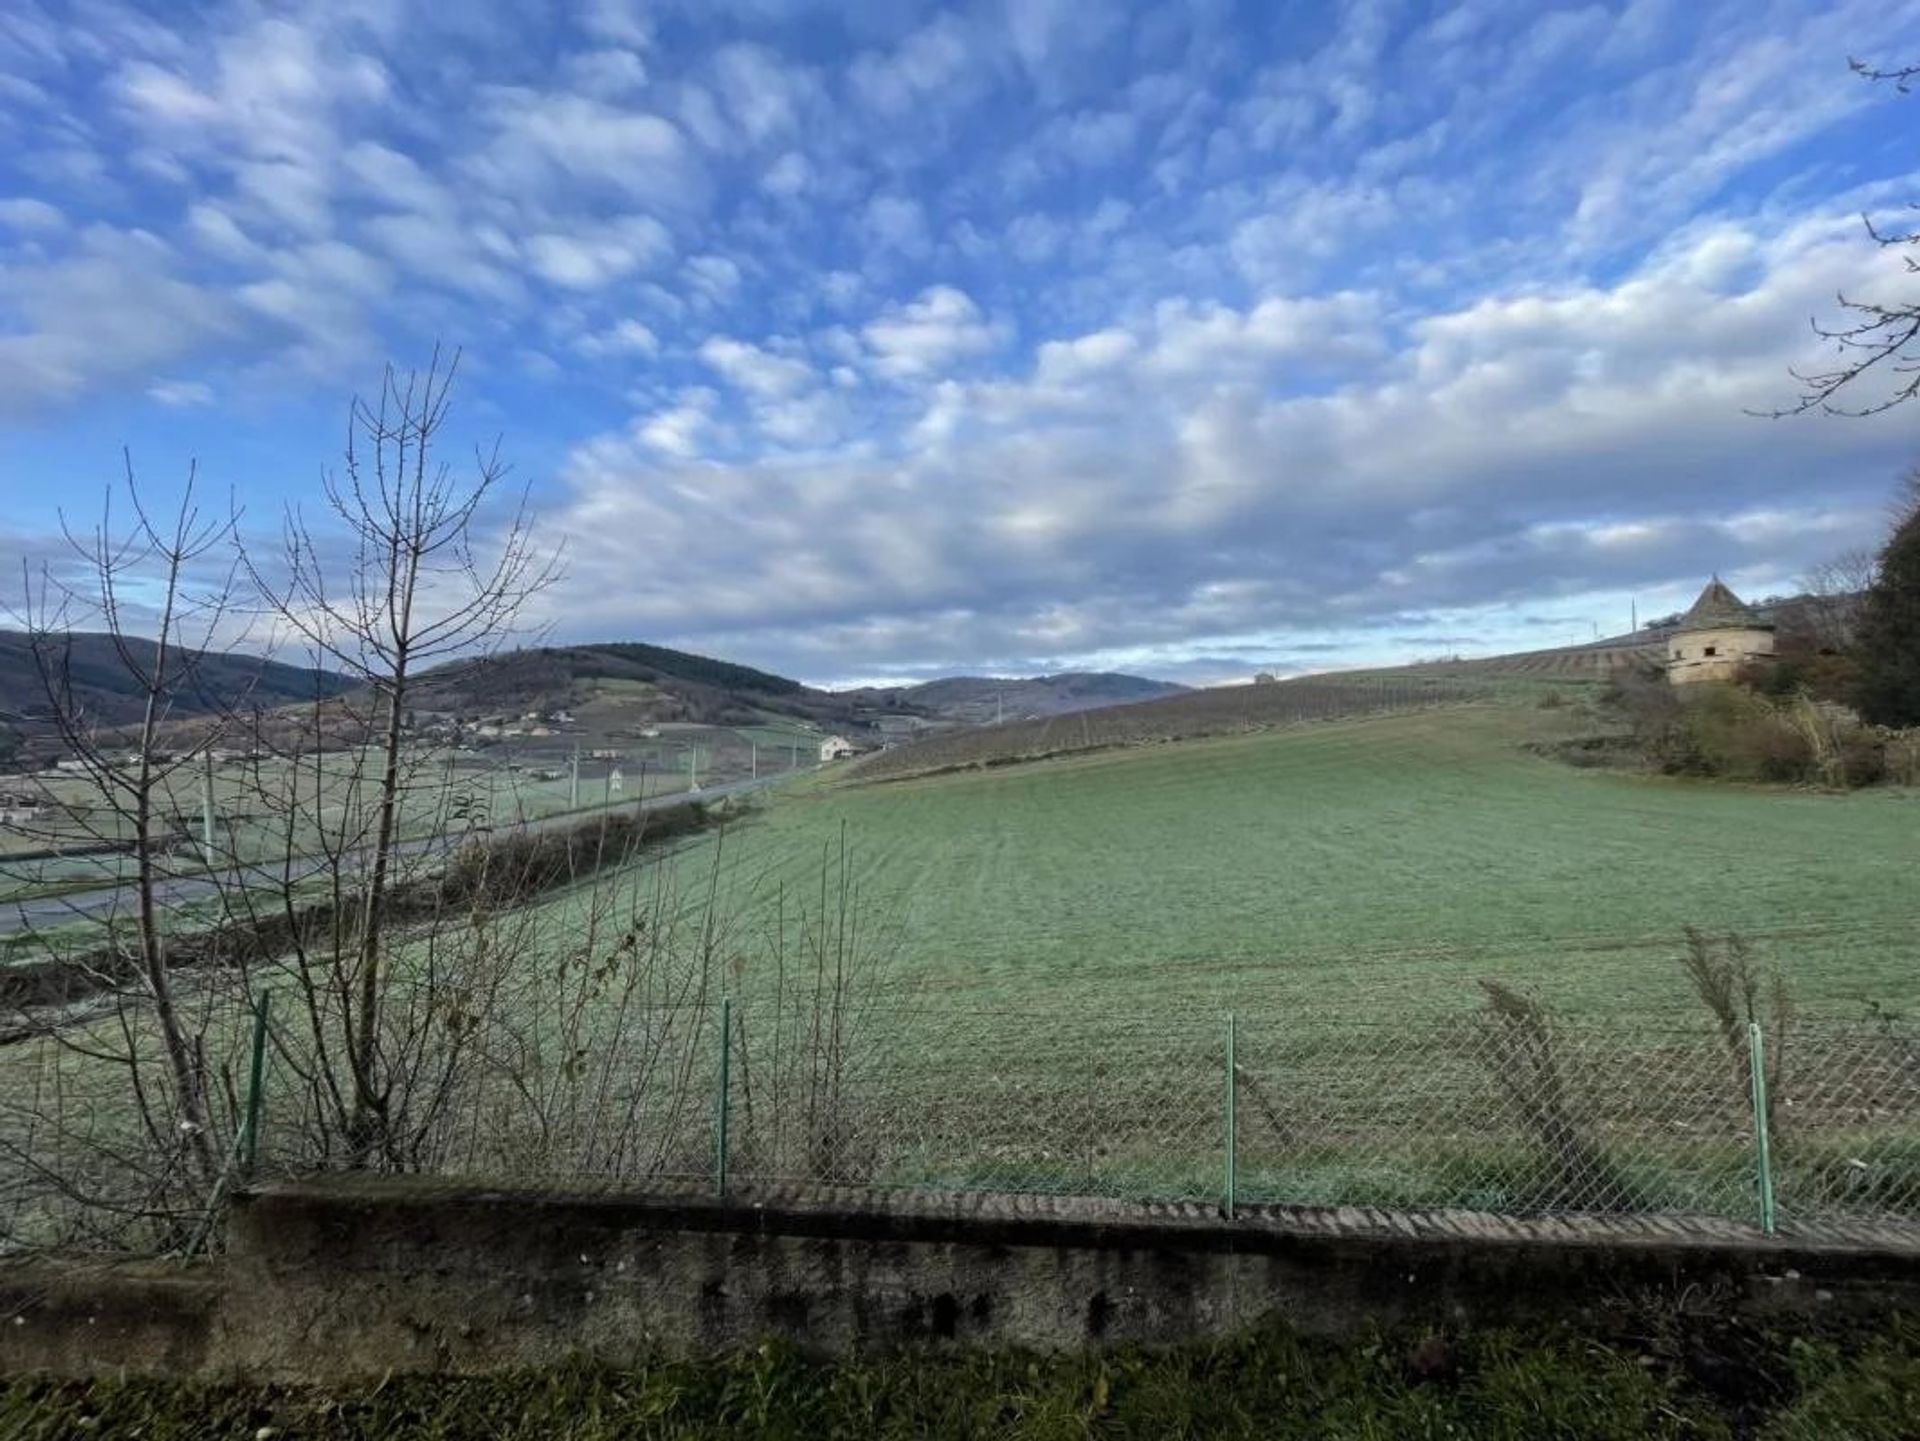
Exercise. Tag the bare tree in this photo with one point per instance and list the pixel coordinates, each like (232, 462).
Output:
(1834, 589)
(127, 710)
(1873, 340)
(447, 1012)
(428, 578)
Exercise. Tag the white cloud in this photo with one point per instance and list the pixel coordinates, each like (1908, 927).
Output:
(1083, 358)
(1035, 238)
(1148, 483)
(442, 254)
(113, 310)
(589, 258)
(28, 215)
(789, 175)
(625, 22)
(678, 431)
(265, 104)
(1090, 138)
(542, 142)
(927, 334)
(765, 97)
(397, 180)
(180, 393)
(1032, 325)
(624, 337)
(928, 66)
(760, 372)
(606, 74)
(220, 235)
(896, 222)
(714, 276)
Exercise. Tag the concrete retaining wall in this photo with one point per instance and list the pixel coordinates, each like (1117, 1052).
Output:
(328, 1280)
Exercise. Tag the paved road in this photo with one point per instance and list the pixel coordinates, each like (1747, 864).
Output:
(45, 911)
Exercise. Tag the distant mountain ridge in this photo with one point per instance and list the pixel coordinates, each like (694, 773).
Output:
(646, 683)
(662, 684)
(211, 681)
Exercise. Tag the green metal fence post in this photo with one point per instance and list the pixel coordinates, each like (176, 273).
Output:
(1762, 1139)
(722, 1098)
(1232, 1136)
(256, 1078)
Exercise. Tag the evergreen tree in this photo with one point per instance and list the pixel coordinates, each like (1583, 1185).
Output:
(1889, 642)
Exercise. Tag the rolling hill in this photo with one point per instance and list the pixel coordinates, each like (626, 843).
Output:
(982, 700)
(1184, 715)
(101, 683)
(630, 683)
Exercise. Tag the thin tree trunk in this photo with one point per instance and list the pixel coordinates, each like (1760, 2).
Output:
(186, 1077)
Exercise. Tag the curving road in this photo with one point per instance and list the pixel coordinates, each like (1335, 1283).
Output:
(43, 911)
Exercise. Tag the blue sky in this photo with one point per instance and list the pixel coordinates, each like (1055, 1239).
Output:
(862, 340)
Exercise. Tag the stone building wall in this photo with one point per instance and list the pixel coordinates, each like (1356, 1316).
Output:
(1706, 655)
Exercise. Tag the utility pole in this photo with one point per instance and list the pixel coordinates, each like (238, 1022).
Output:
(573, 788)
(1635, 603)
(206, 804)
(999, 706)
(753, 760)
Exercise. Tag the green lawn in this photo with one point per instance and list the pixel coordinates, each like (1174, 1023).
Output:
(1068, 936)
(1362, 867)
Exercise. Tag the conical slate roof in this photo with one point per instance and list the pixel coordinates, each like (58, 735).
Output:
(1720, 609)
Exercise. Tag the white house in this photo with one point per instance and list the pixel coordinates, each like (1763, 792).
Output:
(835, 748)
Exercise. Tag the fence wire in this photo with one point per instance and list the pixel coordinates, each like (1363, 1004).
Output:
(1506, 1113)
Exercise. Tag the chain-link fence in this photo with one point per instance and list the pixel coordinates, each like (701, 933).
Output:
(1513, 1113)
(1510, 1112)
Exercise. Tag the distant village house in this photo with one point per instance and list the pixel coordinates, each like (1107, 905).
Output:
(1717, 639)
(835, 748)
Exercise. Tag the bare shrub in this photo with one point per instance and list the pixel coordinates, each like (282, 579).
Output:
(471, 999)
(813, 1057)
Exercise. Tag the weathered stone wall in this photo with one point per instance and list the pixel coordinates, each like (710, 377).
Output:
(1688, 658)
(326, 1281)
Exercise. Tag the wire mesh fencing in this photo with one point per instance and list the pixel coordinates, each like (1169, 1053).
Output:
(1845, 1123)
(98, 1149)
(1505, 1112)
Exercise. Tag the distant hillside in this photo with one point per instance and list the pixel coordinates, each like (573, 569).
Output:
(1185, 715)
(627, 683)
(982, 700)
(1594, 660)
(1802, 620)
(101, 683)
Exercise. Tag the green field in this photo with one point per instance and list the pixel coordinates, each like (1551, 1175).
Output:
(1055, 948)
(526, 780)
(1361, 867)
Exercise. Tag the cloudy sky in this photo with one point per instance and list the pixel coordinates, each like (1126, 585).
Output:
(868, 338)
